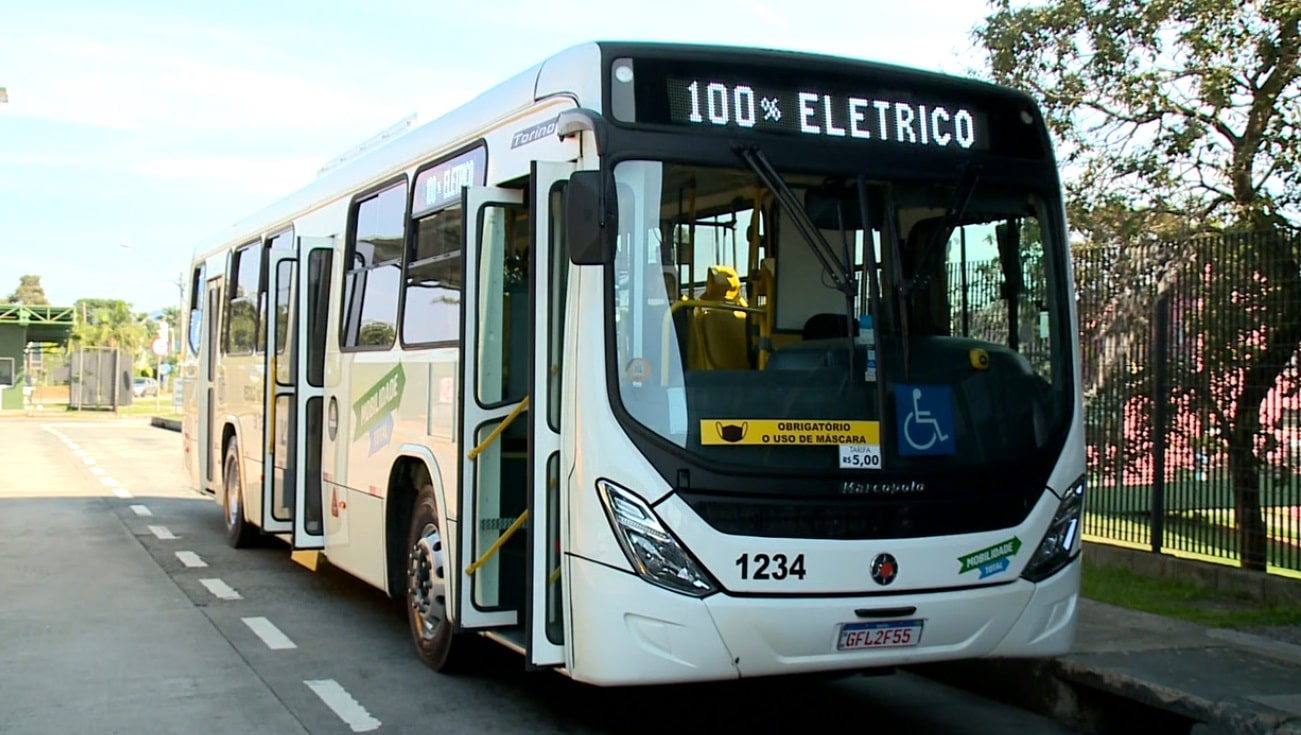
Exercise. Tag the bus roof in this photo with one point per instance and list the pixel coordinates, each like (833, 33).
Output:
(574, 71)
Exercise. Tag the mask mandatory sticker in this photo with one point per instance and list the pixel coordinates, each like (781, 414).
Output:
(716, 432)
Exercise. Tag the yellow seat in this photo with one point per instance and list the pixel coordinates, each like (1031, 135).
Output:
(720, 339)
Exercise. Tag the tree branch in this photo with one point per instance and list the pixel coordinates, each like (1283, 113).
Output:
(1213, 121)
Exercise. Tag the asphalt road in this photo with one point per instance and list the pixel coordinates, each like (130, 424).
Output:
(122, 610)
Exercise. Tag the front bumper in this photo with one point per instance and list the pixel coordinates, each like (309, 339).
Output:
(631, 632)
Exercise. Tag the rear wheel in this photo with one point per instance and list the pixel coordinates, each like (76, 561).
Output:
(239, 532)
(432, 629)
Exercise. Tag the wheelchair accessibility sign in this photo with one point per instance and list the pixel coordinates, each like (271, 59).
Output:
(924, 416)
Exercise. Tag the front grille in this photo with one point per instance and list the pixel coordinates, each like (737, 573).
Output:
(857, 518)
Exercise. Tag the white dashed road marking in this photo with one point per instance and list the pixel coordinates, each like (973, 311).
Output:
(98, 471)
(220, 589)
(122, 492)
(269, 633)
(107, 480)
(191, 559)
(348, 709)
(141, 510)
(162, 532)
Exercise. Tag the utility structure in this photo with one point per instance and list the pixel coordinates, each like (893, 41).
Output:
(22, 325)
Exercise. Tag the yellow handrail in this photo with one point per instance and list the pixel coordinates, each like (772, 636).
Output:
(474, 453)
(271, 431)
(496, 545)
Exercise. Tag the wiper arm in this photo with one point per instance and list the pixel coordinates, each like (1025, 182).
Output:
(890, 231)
(822, 250)
(953, 213)
(874, 299)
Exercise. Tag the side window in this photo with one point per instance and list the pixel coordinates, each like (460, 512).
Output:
(373, 273)
(431, 310)
(318, 300)
(503, 308)
(284, 304)
(556, 302)
(243, 306)
(283, 241)
(197, 298)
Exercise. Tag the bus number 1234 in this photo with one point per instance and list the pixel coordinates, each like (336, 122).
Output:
(774, 566)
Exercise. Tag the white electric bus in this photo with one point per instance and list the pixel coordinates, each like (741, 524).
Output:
(664, 363)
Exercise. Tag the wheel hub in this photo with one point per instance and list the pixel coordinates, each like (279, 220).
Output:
(426, 583)
(232, 501)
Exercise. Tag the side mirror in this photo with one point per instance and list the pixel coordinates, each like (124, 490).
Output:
(591, 219)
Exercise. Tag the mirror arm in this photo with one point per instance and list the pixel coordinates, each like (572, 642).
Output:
(574, 121)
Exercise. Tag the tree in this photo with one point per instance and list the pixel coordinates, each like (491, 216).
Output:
(29, 292)
(108, 323)
(1178, 106)
(1183, 115)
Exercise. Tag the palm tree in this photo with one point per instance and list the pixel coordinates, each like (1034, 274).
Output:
(108, 323)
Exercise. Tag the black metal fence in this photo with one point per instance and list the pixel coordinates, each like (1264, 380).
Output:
(1193, 396)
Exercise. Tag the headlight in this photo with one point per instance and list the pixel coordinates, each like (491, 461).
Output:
(654, 553)
(1058, 546)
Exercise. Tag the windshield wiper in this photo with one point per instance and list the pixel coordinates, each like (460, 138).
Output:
(842, 277)
(839, 273)
(968, 177)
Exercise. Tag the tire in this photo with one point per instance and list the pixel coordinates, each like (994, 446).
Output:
(240, 534)
(432, 628)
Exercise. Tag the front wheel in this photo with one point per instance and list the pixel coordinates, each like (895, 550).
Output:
(239, 532)
(432, 628)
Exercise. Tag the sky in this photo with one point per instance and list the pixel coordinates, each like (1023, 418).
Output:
(137, 128)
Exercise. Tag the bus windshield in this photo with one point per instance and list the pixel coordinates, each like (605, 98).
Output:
(747, 336)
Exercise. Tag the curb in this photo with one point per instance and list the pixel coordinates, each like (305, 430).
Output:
(1098, 699)
(162, 423)
(1224, 716)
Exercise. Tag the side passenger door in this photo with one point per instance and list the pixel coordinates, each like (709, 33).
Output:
(295, 345)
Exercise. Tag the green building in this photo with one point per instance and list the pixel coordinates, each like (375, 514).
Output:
(21, 325)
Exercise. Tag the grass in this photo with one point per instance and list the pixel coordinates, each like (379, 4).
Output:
(148, 406)
(1180, 599)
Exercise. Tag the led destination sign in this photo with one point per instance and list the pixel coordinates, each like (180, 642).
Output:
(441, 184)
(810, 111)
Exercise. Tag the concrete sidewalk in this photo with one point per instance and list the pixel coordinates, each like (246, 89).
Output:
(1134, 671)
